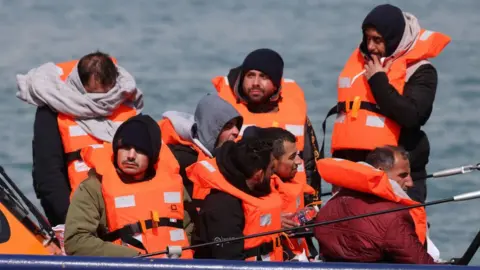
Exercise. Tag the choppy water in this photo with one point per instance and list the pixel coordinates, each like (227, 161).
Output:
(174, 48)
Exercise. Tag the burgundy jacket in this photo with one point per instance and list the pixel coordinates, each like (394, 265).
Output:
(388, 238)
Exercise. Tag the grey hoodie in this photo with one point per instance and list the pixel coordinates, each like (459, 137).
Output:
(203, 129)
(211, 115)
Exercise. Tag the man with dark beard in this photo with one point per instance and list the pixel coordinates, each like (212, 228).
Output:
(264, 98)
(286, 182)
(240, 203)
(386, 91)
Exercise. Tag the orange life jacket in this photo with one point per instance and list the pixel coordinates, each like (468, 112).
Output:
(170, 136)
(15, 238)
(292, 193)
(75, 138)
(360, 123)
(363, 178)
(291, 114)
(288, 190)
(261, 214)
(147, 215)
(292, 201)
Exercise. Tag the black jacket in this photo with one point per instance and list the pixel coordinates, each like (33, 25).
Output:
(411, 111)
(310, 151)
(50, 179)
(222, 216)
(185, 156)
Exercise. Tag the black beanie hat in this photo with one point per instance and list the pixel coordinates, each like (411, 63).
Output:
(142, 133)
(267, 61)
(389, 22)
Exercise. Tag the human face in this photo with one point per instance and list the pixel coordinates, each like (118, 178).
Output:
(229, 132)
(400, 172)
(258, 87)
(287, 164)
(132, 162)
(375, 42)
(94, 86)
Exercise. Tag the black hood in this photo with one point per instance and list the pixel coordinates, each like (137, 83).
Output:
(238, 162)
(143, 131)
(389, 22)
(227, 164)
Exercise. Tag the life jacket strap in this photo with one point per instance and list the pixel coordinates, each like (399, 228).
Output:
(72, 156)
(127, 232)
(341, 107)
(262, 249)
(364, 105)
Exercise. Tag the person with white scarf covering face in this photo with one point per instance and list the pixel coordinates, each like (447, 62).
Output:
(93, 90)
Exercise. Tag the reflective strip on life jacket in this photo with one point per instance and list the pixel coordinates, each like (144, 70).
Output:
(147, 215)
(261, 214)
(364, 178)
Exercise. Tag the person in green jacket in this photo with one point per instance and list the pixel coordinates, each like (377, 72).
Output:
(86, 222)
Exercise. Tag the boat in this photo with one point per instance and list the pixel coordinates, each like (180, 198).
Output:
(70, 262)
(23, 228)
(28, 241)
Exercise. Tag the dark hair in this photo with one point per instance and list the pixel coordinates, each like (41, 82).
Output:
(384, 156)
(252, 155)
(100, 65)
(276, 135)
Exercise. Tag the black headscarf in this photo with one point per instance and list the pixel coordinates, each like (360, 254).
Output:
(389, 22)
(239, 161)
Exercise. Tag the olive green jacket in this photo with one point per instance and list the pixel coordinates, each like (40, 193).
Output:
(86, 223)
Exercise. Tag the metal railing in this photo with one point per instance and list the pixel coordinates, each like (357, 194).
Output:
(74, 262)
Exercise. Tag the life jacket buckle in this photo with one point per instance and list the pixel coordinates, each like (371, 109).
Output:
(277, 241)
(135, 228)
(356, 106)
(155, 219)
(352, 107)
(347, 105)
